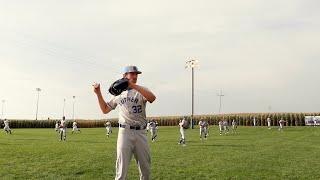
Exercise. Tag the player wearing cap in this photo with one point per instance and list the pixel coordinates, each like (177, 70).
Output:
(132, 139)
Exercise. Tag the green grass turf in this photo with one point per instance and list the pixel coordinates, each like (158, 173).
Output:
(253, 153)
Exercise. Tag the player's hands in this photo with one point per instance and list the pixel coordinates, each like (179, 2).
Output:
(96, 88)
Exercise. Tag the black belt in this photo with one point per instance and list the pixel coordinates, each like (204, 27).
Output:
(133, 127)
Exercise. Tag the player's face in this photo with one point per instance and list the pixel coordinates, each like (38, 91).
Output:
(132, 76)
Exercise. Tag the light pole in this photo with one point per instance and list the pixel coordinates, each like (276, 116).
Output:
(38, 96)
(3, 101)
(64, 105)
(220, 100)
(192, 64)
(74, 100)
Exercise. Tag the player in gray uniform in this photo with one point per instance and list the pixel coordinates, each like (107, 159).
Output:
(6, 126)
(225, 127)
(203, 129)
(153, 130)
(132, 138)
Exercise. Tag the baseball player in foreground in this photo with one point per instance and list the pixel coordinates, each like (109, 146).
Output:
(108, 128)
(6, 126)
(132, 138)
(63, 129)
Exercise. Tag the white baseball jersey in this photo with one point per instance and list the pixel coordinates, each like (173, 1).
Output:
(268, 120)
(182, 122)
(201, 124)
(234, 123)
(74, 124)
(281, 122)
(63, 124)
(153, 125)
(132, 107)
(6, 123)
(108, 124)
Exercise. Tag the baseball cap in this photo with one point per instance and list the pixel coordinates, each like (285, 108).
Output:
(129, 69)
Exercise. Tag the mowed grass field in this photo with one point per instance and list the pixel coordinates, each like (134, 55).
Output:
(253, 153)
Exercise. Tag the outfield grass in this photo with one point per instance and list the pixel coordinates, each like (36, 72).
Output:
(253, 153)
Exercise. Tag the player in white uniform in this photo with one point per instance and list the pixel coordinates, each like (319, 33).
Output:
(314, 121)
(63, 129)
(108, 128)
(57, 126)
(75, 127)
(182, 127)
(220, 127)
(254, 121)
(269, 122)
(6, 126)
(234, 126)
(148, 126)
(132, 138)
(153, 130)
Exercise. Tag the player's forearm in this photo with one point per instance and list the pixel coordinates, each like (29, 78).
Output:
(103, 105)
(145, 93)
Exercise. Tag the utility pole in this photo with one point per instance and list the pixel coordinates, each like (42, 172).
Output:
(192, 64)
(38, 96)
(220, 100)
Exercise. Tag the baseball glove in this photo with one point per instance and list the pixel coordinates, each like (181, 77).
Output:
(119, 86)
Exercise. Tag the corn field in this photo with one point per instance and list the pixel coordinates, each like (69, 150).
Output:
(242, 119)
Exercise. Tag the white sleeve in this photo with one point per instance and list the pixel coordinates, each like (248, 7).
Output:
(113, 102)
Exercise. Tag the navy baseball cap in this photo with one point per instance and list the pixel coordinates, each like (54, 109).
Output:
(129, 69)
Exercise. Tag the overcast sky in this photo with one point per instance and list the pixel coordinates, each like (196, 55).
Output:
(264, 55)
